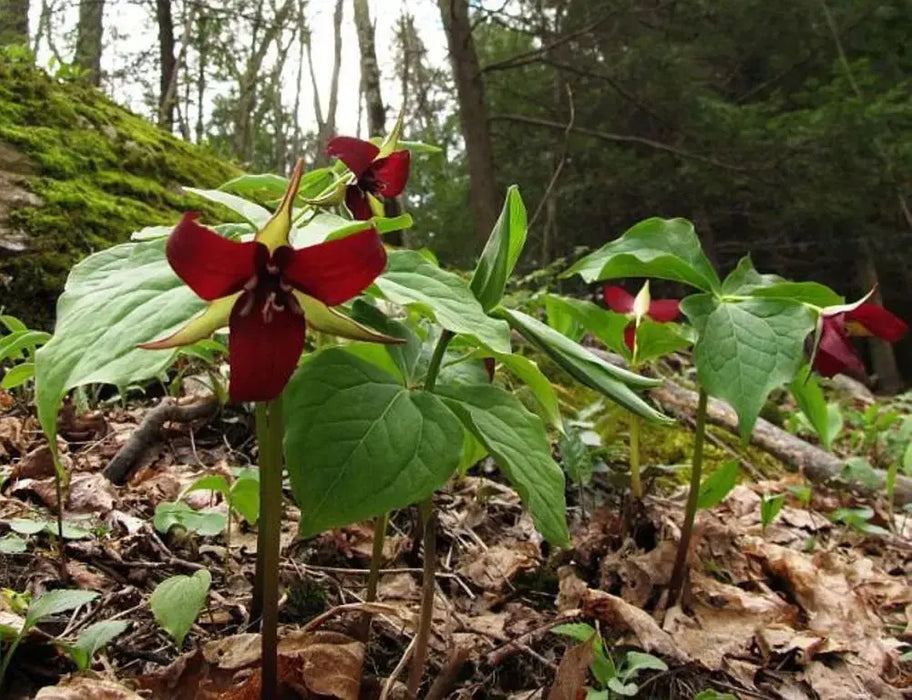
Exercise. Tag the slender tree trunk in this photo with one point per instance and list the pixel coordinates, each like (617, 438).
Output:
(473, 115)
(370, 70)
(203, 58)
(247, 86)
(89, 34)
(14, 24)
(167, 61)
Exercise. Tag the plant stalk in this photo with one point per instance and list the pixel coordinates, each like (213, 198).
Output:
(429, 571)
(690, 511)
(373, 578)
(256, 603)
(428, 585)
(270, 528)
(636, 486)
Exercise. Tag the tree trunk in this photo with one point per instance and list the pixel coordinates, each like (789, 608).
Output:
(168, 63)
(473, 115)
(89, 32)
(247, 87)
(370, 70)
(14, 24)
(883, 359)
(326, 128)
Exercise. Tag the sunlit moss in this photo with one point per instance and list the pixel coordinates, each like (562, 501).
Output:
(101, 172)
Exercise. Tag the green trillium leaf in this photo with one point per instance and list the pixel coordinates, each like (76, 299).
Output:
(517, 441)
(113, 301)
(615, 383)
(411, 280)
(663, 248)
(747, 349)
(358, 443)
(501, 252)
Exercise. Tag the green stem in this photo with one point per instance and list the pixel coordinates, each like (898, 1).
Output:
(380, 525)
(426, 619)
(9, 654)
(256, 604)
(690, 511)
(429, 518)
(636, 486)
(270, 528)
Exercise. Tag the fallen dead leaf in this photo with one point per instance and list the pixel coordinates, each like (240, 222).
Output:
(493, 568)
(570, 679)
(37, 464)
(91, 493)
(83, 688)
(571, 589)
(331, 662)
(624, 617)
(231, 653)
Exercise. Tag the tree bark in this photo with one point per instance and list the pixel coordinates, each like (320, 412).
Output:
(14, 24)
(370, 70)
(167, 61)
(473, 115)
(89, 34)
(247, 85)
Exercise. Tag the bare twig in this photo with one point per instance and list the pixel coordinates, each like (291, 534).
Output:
(147, 434)
(391, 681)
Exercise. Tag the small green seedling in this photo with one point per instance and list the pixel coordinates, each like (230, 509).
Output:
(769, 508)
(859, 519)
(44, 606)
(17, 351)
(91, 640)
(241, 496)
(802, 493)
(718, 485)
(613, 679)
(176, 602)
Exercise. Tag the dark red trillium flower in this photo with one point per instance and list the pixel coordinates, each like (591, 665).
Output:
(267, 292)
(835, 352)
(620, 301)
(376, 176)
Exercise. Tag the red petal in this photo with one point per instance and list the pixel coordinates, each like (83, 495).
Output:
(617, 299)
(212, 266)
(878, 321)
(391, 173)
(357, 203)
(664, 310)
(835, 353)
(355, 153)
(630, 336)
(262, 355)
(338, 270)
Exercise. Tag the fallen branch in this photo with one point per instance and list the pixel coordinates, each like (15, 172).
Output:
(148, 433)
(816, 464)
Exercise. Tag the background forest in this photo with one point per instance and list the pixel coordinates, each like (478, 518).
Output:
(490, 442)
(778, 127)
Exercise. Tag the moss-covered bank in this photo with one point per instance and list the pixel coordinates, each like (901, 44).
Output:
(100, 172)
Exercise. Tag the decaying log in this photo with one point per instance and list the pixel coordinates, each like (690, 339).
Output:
(816, 464)
(147, 434)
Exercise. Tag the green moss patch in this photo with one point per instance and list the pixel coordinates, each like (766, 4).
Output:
(102, 173)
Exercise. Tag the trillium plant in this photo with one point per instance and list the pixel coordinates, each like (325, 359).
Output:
(752, 332)
(374, 421)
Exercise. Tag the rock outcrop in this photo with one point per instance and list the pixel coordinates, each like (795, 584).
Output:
(77, 174)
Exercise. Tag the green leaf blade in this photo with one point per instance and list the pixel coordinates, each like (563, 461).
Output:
(412, 280)
(358, 443)
(501, 252)
(177, 601)
(662, 248)
(517, 441)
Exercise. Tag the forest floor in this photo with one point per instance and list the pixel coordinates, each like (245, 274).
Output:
(805, 608)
